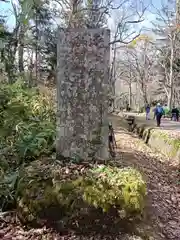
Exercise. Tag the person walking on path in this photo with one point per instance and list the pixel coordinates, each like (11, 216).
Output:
(175, 114)
(148, 109)
(166, 110)
(159, 111)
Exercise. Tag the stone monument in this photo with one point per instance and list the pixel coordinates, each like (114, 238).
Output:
(82, 87)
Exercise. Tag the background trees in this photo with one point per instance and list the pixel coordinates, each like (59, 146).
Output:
(167, 30)
(140, 59)
(155, 56)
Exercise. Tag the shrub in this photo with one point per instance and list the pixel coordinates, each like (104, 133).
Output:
(27, 130)
(27, 121)
(106, 187)
(102, 187)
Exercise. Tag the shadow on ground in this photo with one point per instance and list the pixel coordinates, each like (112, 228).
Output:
(95, 223)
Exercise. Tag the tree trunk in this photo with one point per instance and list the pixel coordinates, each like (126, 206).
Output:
(112, 76)
(143, 91)
(30, 68)
(36, 51)
(10, 65)
(145, 98)
(10, 71)
(170, 98)
(130, 95)
(21, 50)
(10, 59)
(171, 79)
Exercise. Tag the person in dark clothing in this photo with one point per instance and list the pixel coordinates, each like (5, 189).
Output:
(128, 109)
(148, 109)
(159, 111)
(112, 141)
(175, 114)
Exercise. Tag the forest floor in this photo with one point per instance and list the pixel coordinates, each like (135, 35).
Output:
(162, 213)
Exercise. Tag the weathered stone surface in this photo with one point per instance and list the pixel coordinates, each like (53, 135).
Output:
(82, 78)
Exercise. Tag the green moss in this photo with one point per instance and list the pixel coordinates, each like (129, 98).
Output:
(173, 142)
(176, 146)
(143, 132)
(163, 135)
(102, 187)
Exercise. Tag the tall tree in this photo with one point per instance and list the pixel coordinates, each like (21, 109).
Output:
(140, 58)
(166, 29)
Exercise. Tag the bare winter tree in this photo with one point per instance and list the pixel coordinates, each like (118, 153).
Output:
(125, 19)
(126, 70)
(139, 61)
(168, 47)
(126, 16)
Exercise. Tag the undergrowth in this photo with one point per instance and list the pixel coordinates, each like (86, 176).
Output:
(27, 131)
(102, 187)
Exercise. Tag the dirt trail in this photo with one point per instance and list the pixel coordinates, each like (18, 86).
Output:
(163, 201)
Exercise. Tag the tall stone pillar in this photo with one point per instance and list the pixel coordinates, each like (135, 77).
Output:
(82, 85)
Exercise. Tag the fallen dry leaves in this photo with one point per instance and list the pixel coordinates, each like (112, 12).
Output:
(11, 229)
(163, 204)
(162, 215)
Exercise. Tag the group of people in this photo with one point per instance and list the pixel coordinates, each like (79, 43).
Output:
(160, 111)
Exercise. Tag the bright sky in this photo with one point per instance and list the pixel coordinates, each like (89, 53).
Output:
(6, 9)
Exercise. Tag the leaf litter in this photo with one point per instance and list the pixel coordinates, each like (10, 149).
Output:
(161, 220)
(162, 177)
